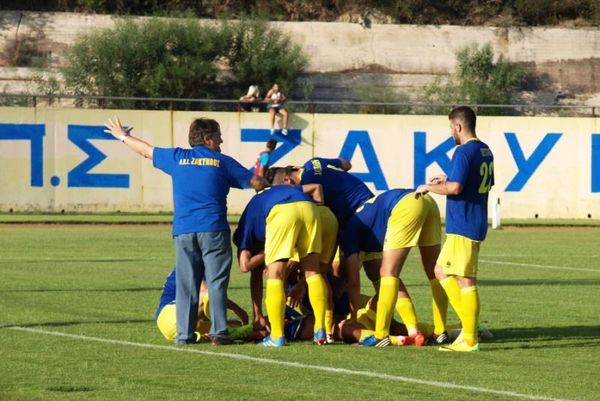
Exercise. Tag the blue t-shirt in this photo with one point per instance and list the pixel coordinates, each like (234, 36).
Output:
(201, 181)
(344, 193)
(473, 167)
(366, 229)
(251, 230)
(168, 294)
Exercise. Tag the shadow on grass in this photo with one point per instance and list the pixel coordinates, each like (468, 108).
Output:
(538, 282)
(71, 260)
(141, 289)
(77, 322)
(540, 337)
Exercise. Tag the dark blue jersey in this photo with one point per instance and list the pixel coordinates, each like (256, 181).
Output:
(473, 167)
(251, 228)
(344, 193)
(366, 229)
(168, 294)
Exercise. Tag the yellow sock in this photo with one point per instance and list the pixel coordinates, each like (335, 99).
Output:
(317, 294)
(388, 292)
(452, 290)
(439, 305)
(470, 314)
(329, 321)
(406, 310)
(275, 303)
(364, 333)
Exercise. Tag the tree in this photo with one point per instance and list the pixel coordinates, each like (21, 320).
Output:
(478, 80)
(179, 58)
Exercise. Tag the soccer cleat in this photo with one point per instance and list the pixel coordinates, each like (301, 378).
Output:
(460, 347)
(320, 337)
(417, 339)
(330, 339)
(197, 339)
(284, 132)
(440, 339)
(269, 342)
(373, 341)
(272, 132)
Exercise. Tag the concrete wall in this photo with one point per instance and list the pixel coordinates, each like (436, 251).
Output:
(569, 59)
(54, 159)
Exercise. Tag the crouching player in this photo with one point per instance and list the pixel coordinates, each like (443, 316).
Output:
(166, 318)
(393, 222)
(288, 222)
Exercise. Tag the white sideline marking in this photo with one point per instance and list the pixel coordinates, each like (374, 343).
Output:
(541, 266)
(363, 373)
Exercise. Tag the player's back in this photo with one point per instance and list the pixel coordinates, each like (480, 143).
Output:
(344, 193)
(251, 227)
(473, 167)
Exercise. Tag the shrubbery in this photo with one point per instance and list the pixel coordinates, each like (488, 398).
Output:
(455, 12)
(478, 80)
(179, 58)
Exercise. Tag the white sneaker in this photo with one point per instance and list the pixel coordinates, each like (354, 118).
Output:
(284, 131)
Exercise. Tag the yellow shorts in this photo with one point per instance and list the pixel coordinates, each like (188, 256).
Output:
(292, 227)
(167, 323)
(459, 256)
(329, 233)
(413, 222)
(364, 256)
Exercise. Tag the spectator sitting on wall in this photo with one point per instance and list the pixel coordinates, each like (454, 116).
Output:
(251, 100)
(275, 98)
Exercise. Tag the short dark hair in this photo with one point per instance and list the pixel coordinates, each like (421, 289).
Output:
(271, 173)
(271, 143)
(466, 115)
(201, 130)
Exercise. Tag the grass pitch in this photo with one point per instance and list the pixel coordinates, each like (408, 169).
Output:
(77, 306)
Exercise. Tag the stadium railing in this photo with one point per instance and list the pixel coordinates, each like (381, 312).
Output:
(305, 106)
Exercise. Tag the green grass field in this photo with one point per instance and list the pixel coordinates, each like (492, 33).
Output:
(76, 320)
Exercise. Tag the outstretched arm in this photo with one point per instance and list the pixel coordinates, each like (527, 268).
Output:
(115, 128)
(440, 188)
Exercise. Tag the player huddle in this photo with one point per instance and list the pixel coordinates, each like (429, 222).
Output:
(290, 232)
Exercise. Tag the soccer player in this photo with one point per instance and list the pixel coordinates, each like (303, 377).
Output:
(166, 318)
(287, 221)
(202, 177)
(466, 189)
(343, 192)
(393, 222)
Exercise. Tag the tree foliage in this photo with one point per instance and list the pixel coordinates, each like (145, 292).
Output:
(180, 58)
(456, 12)
(478, 80)
(261, 55)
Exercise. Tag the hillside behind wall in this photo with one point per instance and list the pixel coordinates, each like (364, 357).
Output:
(344, 55)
